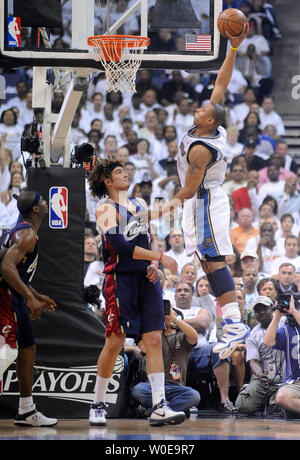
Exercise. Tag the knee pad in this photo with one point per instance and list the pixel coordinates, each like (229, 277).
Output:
(7, 356)
(221, 281)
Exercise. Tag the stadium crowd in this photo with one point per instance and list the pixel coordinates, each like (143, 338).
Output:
(144, 131)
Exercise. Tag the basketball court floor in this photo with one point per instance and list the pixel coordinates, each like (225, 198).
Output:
(207, 427)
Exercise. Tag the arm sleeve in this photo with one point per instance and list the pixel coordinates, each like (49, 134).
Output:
(119, 243)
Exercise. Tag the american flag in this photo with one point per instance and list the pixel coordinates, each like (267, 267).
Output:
(197, 42)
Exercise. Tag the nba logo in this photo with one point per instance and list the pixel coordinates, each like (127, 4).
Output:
(58, 204)
(14, 31)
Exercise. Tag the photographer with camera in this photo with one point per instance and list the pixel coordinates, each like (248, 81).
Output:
(287, 338)
(178, 340)
(266, 365)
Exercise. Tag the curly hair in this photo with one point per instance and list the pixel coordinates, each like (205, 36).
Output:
(101, 171)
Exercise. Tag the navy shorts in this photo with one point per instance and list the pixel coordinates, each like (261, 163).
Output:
(15, 324)
(133, 305)
(204, 360)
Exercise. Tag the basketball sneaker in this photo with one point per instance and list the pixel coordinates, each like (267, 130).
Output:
(34, 418)
(234, 333)
(97, 414)
(163, 415)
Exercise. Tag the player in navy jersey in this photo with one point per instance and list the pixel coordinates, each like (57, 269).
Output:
(132, 291)
(202, 163)
(17, 298)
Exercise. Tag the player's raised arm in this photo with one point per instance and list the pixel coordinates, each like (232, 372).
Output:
(225, 72)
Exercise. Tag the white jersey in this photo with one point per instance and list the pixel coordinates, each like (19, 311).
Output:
(216, 171)
(206, 216)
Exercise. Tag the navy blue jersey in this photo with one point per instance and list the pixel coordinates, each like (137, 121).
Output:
(134, 229)
(27, 266)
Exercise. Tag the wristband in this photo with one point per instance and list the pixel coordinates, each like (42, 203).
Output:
(176, 320)
(234, 49)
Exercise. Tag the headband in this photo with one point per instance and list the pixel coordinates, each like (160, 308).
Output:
(35, 202)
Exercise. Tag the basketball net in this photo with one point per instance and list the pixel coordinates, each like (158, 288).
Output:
(121, 57)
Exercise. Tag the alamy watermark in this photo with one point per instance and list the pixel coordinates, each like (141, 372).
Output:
(296, 88)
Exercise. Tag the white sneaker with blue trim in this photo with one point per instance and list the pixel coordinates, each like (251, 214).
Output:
(163, 415)
(97, 414)
(235, 332)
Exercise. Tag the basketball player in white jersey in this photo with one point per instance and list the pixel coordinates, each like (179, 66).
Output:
(202, 163)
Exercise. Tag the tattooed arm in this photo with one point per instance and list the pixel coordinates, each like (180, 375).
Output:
(199, 158)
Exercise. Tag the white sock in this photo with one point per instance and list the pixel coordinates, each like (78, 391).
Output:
(100, 389)
(157, 381)
(26, 405)
(231, 311)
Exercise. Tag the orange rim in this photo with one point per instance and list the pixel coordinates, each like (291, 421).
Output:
(111, 45)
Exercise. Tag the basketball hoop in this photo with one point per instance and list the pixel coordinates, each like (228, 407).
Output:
(121, 57)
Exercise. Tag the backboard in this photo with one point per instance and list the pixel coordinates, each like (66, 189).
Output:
(183, 33)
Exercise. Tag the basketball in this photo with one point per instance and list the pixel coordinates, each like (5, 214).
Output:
(232, 21)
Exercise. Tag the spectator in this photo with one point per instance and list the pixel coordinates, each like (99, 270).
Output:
(238, 180)
(246, 197)
(110, 147)
(178, 340)
(250, 278)
(264, 15)
(146, 167)
(144, 82)
(253, 161)
(275, 159)
(127, 126)
(249, 259)
(285, 279)
(163, 185)
(245, 230)
(289, 198)
(188, 274)
(26, 114)
(262, 51)
(132, 139)
(129, 27)
(19, 100)
(146, 191)
(267, 287)
(240, 111)
(160, 150)
(90, 253)
(9, 126)
(177, 250)
(109, 122)
(77, 134)
(234, 147)
(130, 169)
(172, 86)
(268, 116)
(13, 188)
(183, 119)
(149, 101)
(267, 366)
(148, 131)
(202, 359)
(252, 119)
(172, 150)
(273, 187)
(286, 160)
(266, 247)
(287, 228)
(290, 256)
